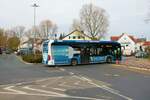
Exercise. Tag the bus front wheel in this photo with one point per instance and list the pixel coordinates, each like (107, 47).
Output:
(109, 60)
(74, 62)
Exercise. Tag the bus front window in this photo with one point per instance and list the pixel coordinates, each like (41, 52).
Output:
(45, 48)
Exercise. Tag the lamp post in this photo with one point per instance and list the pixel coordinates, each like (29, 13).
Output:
(34, 6)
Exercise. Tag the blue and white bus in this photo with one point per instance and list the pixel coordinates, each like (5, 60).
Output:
(73, 52)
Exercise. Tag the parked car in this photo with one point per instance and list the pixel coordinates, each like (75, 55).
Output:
(24, 51)
(1, 51)
(141, 54)
(8, 51)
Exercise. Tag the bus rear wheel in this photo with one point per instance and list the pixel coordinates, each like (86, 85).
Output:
(74, 62)
(109, 60)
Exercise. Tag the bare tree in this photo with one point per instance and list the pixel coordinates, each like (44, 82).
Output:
(76, 25)
(30, 32)
(3, 38)
(47, 28)
(93, 21)
(18, 31)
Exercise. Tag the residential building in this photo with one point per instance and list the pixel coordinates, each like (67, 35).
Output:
(28, 44)
(76, 35)
(129, 43)
(146, 45)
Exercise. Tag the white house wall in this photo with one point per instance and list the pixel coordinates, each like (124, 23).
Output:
(128, 43)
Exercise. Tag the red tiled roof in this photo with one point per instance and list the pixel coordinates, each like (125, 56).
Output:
(133, 39)
(147, 43)
(116, 38)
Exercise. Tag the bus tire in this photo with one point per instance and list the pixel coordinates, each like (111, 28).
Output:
(74, 62)
(109, 60)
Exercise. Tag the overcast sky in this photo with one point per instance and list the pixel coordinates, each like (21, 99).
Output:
(124, 15)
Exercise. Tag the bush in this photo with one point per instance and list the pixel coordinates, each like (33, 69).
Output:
(31, 58)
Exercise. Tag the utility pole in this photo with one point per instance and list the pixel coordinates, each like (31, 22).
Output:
(34, 41)
(92, 2)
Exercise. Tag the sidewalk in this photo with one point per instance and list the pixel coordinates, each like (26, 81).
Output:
(136, 62)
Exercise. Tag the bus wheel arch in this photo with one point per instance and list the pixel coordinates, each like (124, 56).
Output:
(109, 59)
(74, 62)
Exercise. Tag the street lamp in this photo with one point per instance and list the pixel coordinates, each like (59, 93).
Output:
(34, 6)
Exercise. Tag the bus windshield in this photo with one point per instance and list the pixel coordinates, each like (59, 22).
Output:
(45, 47)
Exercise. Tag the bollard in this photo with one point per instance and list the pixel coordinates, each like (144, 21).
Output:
(117, 61)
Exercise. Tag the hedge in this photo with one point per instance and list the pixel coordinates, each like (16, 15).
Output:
(31, 58)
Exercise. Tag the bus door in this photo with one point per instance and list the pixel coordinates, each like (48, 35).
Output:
(85, 55)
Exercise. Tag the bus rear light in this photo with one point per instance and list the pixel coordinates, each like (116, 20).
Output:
(49, 57)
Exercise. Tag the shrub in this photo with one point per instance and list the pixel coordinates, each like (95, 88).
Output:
(31, 58)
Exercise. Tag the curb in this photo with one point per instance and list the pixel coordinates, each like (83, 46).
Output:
(27, 62)
(24, 61)
(131, 67)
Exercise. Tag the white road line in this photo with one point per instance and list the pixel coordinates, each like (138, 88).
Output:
(84, 78)
(62, 69)
(9, 93)
(40, 80)
(104, 87)
(77, 83)
(56, 79)
(44, 91)
(59, 89)
(43, 86)
(48, 95)
(111, 91)
(13, 90)
(71, 73)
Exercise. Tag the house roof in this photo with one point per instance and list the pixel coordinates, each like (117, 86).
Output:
(116, 38)
(77, 31)
(147, 43)
(141, 40)
(37, 40)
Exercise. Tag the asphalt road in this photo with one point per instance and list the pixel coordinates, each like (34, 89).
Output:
(83, 82)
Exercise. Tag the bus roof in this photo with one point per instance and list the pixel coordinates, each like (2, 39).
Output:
(82, 42)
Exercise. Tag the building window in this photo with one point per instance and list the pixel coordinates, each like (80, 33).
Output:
(79, 37)
(69, 37)
(74, 37)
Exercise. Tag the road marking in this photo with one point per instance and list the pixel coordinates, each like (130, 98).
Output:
(56, 79)
(59, 89)
(84, 78)
(116, 75)
(13, 90)
(104, 87)
(43, 85)
(77, 83)
(44, 91)
(111, 91)
(48, 95)
(62, 69)
(71, 73)
(9, 93)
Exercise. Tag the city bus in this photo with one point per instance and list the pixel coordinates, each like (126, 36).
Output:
(73, 52)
